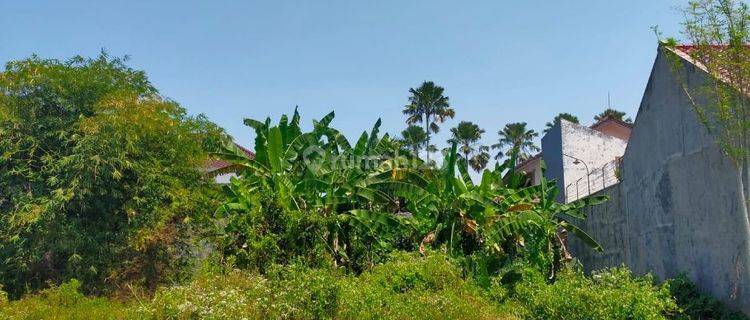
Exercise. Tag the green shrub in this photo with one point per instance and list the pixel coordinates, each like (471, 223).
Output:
(64, 302)
(696, 305)
(410, 286)
(609, 294)
(234, 295)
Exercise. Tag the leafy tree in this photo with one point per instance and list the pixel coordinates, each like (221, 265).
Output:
(428, 105)
(719, 31)
(308, 195)
(612, 113)
(467, 136)
(566, 116)
(414, 138)
(515, 136)
(97, 173)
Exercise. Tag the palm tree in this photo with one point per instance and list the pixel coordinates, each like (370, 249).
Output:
(556, 120)
(428, 104)
(467, 136)
(516, 136)
(612, 113)
(415, 138)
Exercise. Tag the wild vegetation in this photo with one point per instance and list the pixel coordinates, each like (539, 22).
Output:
(106, 212)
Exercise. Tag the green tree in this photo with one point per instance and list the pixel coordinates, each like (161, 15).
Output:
(515, 136)
(97, 173)
(566, 116)
(414, 138)
(612, 113)
(719, 31)
(467, 135)
(428, 105)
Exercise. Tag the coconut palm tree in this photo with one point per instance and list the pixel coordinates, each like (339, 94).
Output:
(612, 113)
(414, 138)
(428, 105)
(556, 120)
(516, 136)
(467, 135)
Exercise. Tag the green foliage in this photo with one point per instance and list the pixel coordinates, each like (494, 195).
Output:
(407, 287)
(467, 135)
(719, 31)
(65, 302)
(97, 174)
(614, 114)
(414, 138)
(306, 192)
(695, 305)
(609, 294)
(428, 105)
(556, 120)
(411, 286)
(516, 137)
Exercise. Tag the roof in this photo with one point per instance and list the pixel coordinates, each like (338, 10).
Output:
(529, 160)
(611, 119)
(216, 164)
(688, 53)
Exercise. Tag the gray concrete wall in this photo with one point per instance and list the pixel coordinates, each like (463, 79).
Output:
(678, 208)
(607, 225)
(552, 156)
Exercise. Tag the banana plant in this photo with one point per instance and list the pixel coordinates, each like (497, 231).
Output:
(320, 172)
(500, 214)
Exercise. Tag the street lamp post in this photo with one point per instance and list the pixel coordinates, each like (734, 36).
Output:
(588, 173)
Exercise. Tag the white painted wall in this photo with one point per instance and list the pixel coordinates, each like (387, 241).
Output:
(596, 150)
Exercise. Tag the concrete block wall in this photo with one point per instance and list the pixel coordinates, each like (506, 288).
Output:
(678, 208)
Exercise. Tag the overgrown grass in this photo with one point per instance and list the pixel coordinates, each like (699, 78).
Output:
(408, 286)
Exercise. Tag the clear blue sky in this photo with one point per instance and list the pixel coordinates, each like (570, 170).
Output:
(500, 61)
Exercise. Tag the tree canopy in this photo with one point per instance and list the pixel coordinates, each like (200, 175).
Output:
(428, 105)
(612, 113)
(467, 135)
(97, 172)
(516, 136)
(556, 120)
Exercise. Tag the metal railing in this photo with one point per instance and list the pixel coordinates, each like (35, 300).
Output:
(597, 179)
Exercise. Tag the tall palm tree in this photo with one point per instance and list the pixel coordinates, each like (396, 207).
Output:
(467, 136)
(415, 138)
(556, 120)
(612, 113)
(428, 105)
(516, 136)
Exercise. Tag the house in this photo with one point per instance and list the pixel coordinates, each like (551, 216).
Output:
(582, 160)
(219, 169)
(678, 205)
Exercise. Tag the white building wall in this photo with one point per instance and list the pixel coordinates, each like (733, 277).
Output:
(596, 152)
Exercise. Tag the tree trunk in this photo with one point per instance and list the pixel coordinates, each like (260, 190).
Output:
(466, 158)
(427, 130)
(741, 256)
(745, 184)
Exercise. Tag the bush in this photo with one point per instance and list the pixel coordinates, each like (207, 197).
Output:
(609, 294)
(696, 305)
(410, 286)
(407, 287)
(64, 302)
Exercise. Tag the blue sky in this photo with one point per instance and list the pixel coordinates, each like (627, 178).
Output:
(500, 61)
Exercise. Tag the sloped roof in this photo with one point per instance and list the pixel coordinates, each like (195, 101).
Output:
(611, 119)
(216, 164)
(688, 53)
